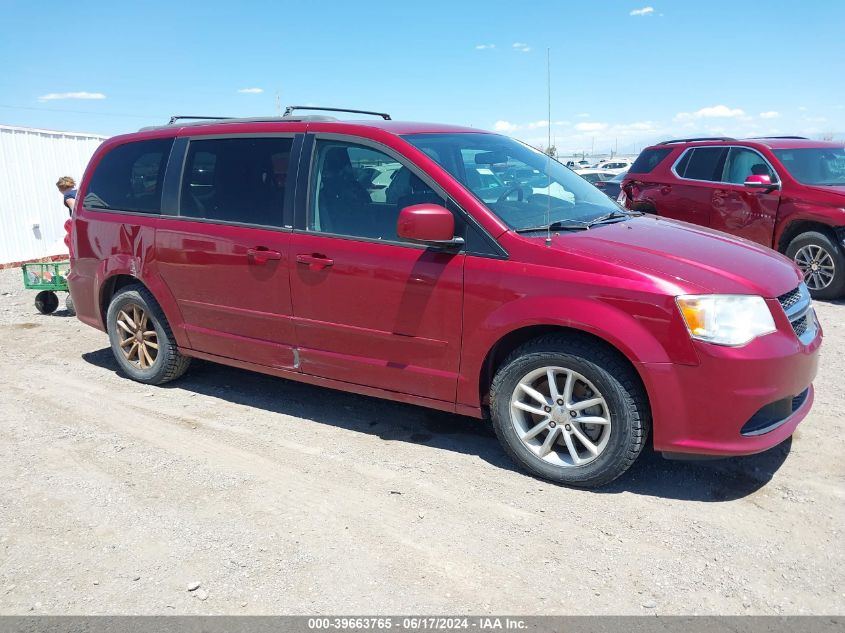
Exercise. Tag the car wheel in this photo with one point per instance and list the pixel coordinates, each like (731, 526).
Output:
(569, 411)
(141, 339)
(821, 261)
(46, 302)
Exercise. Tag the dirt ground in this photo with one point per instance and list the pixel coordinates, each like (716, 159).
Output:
(282, 498)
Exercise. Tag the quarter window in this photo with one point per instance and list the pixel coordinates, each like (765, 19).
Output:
(239, 180)
(358, 191)
(130, 178)
(649, 159)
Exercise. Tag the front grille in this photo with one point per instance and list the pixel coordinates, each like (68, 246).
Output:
(790, 298)
(800, 326)
(799, 310)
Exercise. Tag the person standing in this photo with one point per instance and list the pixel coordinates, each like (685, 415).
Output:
(67, 187)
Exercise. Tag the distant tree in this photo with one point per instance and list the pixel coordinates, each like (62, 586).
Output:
(551, 151)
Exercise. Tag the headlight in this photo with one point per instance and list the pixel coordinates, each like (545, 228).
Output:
(726, 319)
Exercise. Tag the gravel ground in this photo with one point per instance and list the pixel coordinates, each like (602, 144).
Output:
(277, 497)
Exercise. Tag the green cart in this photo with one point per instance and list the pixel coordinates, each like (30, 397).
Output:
(49, 278)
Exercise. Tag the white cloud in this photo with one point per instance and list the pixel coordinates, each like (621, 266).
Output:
(769, 115)
(481, 47)
(815, 119)
(643, 11)
(251, 91)
(56, 96)
(521, 47)
(583, 115)
(590, 126)
(505, 126)
(637, 126)
(713, 112)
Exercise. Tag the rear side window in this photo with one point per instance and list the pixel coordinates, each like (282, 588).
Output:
(649, 159)
(130, 177)
(703, 163)
(240, 180)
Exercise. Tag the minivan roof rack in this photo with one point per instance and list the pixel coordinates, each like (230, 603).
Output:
(179, 117)
(797, 138)
(702, 138)
(290, 109)
(210, 120)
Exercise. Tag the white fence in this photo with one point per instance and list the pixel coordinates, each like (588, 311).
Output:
(32, 215)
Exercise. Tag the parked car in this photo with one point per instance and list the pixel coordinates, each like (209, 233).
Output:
(578, 328)
(581, 164)
(787, 193)
(614, 165)
(593, 176)
(612, 186)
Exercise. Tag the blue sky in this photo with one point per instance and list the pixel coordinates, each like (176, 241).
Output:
(625, 73)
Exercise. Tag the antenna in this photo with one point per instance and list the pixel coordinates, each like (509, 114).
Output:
(278, 104)
(549, 149)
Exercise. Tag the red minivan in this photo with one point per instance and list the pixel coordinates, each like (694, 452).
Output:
(444, 267)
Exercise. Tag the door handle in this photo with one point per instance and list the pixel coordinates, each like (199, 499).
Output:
(261, 255)
(315, 260)
(666, 190)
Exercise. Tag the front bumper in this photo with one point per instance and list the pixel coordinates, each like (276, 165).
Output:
(710, 408)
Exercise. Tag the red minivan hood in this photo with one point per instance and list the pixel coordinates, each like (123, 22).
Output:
(700, 259)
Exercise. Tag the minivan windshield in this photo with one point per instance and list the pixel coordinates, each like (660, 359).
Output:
(815, 165)
(521, 185)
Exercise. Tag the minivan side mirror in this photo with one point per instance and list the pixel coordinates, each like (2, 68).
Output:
(428, 224)
(760, 181)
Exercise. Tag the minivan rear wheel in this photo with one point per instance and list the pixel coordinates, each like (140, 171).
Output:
(141, 339)
(570, 411)
(822, 263)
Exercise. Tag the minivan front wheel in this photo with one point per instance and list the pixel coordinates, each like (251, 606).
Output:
(141, 339)
(569, 411)
(822, 263)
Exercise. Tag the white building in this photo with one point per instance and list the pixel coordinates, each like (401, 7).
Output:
(32, 214)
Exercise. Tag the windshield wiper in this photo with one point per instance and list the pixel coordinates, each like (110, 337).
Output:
(559, 225)
(578, 225)
(613, 215)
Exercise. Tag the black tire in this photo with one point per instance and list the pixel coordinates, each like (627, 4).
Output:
(615, 381)
(836, 287)
(169, 363)
(71, 310)
(46, 302)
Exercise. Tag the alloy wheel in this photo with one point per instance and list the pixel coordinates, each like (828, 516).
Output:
(138, 338)
(560, 416)
(816, 265)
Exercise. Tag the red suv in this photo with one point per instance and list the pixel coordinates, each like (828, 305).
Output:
(787, 193)
(444, 267)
